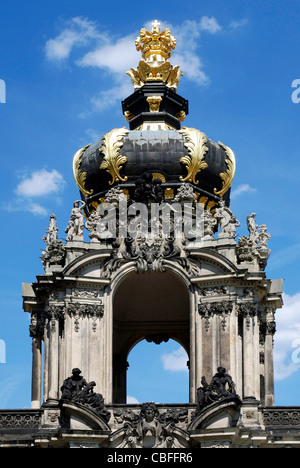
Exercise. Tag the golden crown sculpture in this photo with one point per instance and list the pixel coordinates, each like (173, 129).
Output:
(156, 47)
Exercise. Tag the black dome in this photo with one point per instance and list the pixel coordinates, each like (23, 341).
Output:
(160, 152)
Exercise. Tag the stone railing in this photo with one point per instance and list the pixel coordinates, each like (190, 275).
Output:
(20, 419)
(281, 416)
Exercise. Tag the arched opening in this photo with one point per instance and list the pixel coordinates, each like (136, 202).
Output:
(151, 306)
(158, 373)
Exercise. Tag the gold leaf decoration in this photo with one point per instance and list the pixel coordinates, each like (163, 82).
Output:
(113, 162)
(194, 161)
(80, 177)
(227, 176)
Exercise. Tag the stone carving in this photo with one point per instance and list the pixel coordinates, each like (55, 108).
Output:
(185, 193)
(54, 313)
(221, 387)
(157, 338)
(254, 245)
(93, 311)
(75, 227)
(86, 293)
(36, 328)
(97, 225)
(77, 390)
(149, 189)
(281, 417)
(54, 254)
(252, 227)
(214, 291)
(151, 429)
(115, 196)
(247, 310)
(209, 224)
(263, 236)
(148, 246)
(227, 221)
(25, 419)
(208, 310)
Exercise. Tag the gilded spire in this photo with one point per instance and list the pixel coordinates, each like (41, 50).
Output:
(156, 47)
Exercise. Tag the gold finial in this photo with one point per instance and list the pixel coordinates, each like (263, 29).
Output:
(156, 47)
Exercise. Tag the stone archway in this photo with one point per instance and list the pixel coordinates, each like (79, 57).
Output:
(152, 306)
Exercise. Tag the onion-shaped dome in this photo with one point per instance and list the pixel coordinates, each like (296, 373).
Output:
(155, 146)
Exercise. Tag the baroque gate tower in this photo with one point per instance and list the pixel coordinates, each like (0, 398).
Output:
(162, 261)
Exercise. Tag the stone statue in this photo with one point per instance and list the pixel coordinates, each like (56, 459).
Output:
(76, 224)
(209, 224)
(252, 228)
(54, 253)
(263, 236)
(73, 385)
(254, 246)
(76, 389)
(220, 388)
(227, 221)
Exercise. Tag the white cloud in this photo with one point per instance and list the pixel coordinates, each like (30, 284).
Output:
(283, 257)
(40, 183)
(117, 57)
(237, 24)
(77, 32)
(176, 361)
(131, 400)
(287, 338)
(210, 25)
(26, 206)
(244, 188)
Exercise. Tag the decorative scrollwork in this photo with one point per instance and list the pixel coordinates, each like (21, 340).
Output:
(80, 177)
(194, 161)
(227, 176)
(113, 162)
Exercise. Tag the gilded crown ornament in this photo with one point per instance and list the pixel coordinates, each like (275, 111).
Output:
(156, 47)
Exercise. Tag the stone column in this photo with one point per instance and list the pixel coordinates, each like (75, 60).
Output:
(247, 310)
(36, 333)
(269, 367)
(193, 347)
(54, 313)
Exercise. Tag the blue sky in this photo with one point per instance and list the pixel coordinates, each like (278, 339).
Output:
(64, 67)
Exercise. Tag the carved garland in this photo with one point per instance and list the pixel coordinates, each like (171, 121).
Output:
(207, 311)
